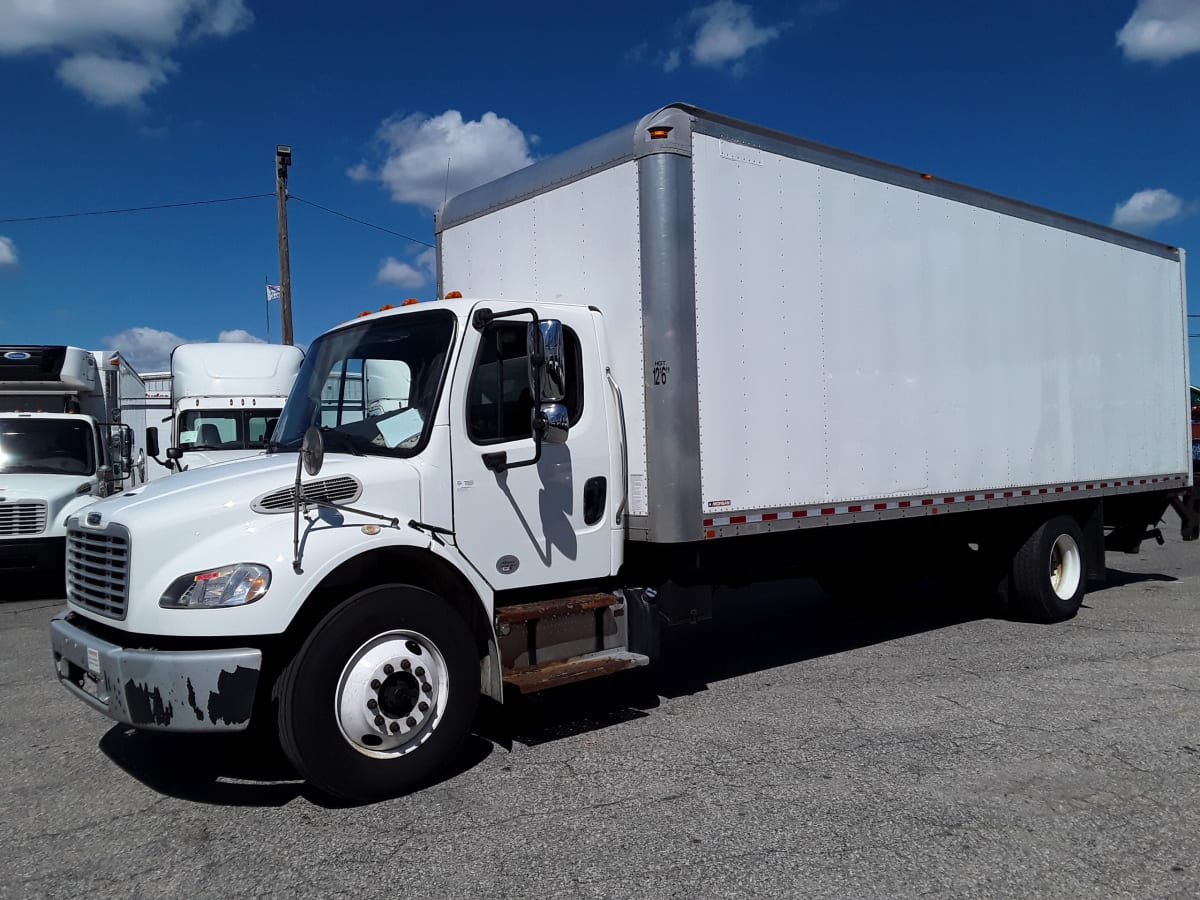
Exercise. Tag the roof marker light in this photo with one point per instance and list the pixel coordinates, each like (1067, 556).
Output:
(658, 132)
(454, 295)
(387, 306)
(410, 301)
(365, 312)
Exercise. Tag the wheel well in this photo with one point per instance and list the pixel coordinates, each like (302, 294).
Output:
(402, 565)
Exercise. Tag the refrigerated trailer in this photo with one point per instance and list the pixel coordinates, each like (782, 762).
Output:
(72, 422)
(692, 352)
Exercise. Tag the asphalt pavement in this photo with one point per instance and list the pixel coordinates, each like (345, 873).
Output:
(793, 747)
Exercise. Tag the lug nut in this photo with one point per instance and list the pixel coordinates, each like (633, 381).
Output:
(423, 706)
(411, 722)
(427, 688)
(376, 684)
(395, 726)
(371, 704)
(405, 665)
(387, 669)
(419, 671)
(379, 720)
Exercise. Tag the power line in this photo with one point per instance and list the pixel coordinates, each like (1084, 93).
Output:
(129, 209)
(360, 221)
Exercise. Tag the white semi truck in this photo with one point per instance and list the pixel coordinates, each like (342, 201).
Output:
(692, 352)
(72, 425)
(226, 399)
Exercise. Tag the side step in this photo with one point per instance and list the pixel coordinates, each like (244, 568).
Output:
(566, 671)
(564, 639)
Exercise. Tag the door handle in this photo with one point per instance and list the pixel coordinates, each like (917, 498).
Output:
(595, 495)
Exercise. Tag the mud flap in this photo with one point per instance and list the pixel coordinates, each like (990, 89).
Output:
(1187, 506)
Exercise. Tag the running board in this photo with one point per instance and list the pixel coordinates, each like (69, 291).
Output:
(553, 674)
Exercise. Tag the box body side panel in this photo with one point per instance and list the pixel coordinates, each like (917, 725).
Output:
(858, 339)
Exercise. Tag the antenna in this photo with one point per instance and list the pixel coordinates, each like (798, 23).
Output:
(446, 190)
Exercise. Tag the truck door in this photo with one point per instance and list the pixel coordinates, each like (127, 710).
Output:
(532, 524)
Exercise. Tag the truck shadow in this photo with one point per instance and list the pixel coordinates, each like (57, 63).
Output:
(753, 629)
(231, 769)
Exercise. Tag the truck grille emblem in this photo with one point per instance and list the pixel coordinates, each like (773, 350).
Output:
(93, 518)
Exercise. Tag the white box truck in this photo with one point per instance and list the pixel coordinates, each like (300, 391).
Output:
(226, 399)
(692, 352)
(72, 423)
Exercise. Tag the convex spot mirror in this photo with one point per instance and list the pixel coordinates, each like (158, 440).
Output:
(312, 451)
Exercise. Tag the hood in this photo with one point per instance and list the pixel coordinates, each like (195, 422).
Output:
(198, 459)
(215, 493)
(62, 494)
(241, 511)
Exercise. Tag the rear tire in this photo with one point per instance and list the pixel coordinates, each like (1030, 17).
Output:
(380, 696)
(1050, 571)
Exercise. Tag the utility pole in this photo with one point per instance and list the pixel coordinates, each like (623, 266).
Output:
(283, 159)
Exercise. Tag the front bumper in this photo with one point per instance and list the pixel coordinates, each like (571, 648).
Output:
(158, 690)
(32, 554)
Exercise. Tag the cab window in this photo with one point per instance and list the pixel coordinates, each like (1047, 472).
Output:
(499, 399)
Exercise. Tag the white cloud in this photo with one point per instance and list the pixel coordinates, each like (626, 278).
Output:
(399, 274)
(428, 159)
(1148, 208)
(238, 336)
(726, 32)
(107, 81)
(147, 348)
(1161, 30)
(115, 51)
(8, 252)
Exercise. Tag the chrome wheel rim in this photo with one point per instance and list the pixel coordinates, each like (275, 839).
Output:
(1066, 567)
(391, 694)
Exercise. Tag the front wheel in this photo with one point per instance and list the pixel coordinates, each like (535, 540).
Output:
(381, 695)
(1050, 572)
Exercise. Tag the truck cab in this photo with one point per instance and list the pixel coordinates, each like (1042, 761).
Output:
(226, 399)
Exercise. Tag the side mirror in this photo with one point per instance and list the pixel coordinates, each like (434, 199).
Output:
(546, 361)
(152, 441)
(174, 453)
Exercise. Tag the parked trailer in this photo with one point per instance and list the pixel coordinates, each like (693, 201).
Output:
(72, 422)
(226, 399)
(692, 352)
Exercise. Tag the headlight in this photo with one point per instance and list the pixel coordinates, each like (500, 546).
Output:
(234, 585)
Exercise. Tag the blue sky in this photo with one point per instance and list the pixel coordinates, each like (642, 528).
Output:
(1083, 108)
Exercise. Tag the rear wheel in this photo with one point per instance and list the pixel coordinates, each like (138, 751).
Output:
(381, 695)
(1050, 571)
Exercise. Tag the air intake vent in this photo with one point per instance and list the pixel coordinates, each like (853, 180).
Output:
(342, 489)
(23, 517)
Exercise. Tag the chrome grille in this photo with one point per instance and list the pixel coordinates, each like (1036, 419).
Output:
(23, 517)
(98, 570)
(342, 489)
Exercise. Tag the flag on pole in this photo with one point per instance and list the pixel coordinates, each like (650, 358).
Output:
(274, 292)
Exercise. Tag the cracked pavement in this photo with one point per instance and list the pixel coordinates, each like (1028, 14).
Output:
(793, 747)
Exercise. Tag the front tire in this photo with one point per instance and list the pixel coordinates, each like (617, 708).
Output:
(380, 696)
(1050, 571)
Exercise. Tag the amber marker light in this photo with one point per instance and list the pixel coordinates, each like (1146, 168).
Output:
(659, 132)
(410, 301)
(454, 295)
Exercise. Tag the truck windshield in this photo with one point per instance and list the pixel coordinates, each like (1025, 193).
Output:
(371, 387)
(226, 429)
(47, 446)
